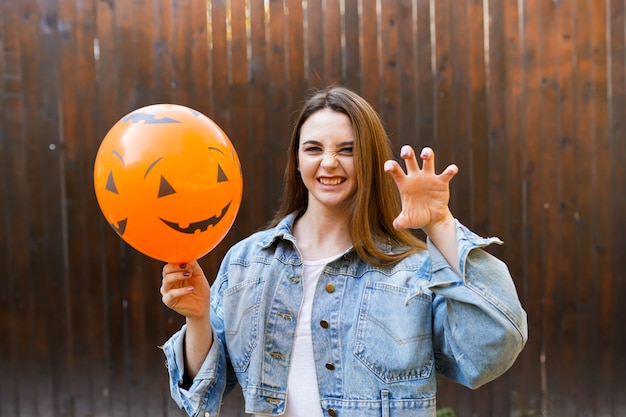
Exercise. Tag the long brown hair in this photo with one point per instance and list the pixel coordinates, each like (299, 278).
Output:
(376, 202)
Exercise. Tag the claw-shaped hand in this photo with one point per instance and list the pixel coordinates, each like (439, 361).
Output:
(425, 195)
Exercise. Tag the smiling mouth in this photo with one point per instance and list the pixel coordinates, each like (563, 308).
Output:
(331, 181)
(201, 226)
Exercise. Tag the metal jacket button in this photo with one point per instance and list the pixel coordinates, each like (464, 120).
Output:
(330, 366)
(330, 288)
(324, 324)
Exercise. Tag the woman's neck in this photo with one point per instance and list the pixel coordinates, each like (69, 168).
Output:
(321, 235)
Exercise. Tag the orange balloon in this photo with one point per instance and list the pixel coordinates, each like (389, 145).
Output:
(169, 182)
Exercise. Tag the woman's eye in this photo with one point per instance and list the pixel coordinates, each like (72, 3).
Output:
(347, 150)
(313, 149)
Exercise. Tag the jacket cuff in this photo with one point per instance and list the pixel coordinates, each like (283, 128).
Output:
(191, 398)
(442, 272)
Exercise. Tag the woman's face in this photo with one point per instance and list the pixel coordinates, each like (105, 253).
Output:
(325, 159)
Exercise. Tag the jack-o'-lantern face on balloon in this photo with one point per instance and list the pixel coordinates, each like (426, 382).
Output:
(168, 180)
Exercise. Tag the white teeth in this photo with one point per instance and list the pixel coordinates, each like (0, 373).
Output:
(331, 181)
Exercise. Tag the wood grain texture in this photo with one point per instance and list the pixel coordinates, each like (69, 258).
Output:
(526, 96)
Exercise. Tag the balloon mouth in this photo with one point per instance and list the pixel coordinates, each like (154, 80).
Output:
(201, 225)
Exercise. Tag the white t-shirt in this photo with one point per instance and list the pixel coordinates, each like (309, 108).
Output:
(303, 398)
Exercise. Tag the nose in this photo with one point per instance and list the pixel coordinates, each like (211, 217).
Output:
(329, 159)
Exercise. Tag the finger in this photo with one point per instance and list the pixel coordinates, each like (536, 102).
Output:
(408, 154)
(449, 173)
(170, 298)
(428, 158)
(194, 268)
(175, 279)
(393, 168)
(170, 267)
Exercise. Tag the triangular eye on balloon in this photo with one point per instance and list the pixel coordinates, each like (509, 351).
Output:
(165, 188)
(221, 175)
(111, 183)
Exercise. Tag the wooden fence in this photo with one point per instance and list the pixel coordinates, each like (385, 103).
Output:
(527, 97)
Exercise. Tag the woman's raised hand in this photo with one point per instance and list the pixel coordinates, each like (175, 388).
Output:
(425, 195)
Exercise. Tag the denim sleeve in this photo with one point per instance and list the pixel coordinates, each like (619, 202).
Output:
(479, 324)
(208, 387)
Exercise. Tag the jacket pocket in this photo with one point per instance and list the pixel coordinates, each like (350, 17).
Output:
(241, 321)
(394, 335)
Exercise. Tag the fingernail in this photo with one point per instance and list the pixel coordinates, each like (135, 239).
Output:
(424, 153)
(183, 266)
(186, 274)
(387, 166)
(404, 151)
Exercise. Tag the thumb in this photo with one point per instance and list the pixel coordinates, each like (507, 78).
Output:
(401, 222)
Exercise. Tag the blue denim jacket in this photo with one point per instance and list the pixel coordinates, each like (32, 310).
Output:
(379, 334)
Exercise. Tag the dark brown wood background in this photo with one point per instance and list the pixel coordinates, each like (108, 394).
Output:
(527, 97)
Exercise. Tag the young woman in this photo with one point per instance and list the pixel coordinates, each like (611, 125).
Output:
(336, 309)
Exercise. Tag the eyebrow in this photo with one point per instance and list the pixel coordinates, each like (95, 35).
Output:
(317, 142)
(151, 166)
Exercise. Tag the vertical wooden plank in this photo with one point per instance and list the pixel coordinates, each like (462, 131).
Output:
(108, 114)
(613, 167)
(218, 95)
(162, 45)
(278, 116)
(114, 80)
(95, 356)
(424, 74)
(16, 225)
(479, 113)
(198, 47)
(601, 175)
(297, 57)
(478, 163)
(461, 111)
(315, 49)
(551, 192)
(158, 32)
(182, 83)
(143, 16)
(126, 65)
(123, 257)
(389, 73)
(44, 154)
(450, 394)
(442, 82)
(77, 80)
(220, 68)
(259, 123)
(534, 246)
(333, 32)
(370, 53)
(407, 80)
(240, 109)
(497, 144)
(587, 334)
(568, 292)
(7, 390)
(351, 50)
(520, 44)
